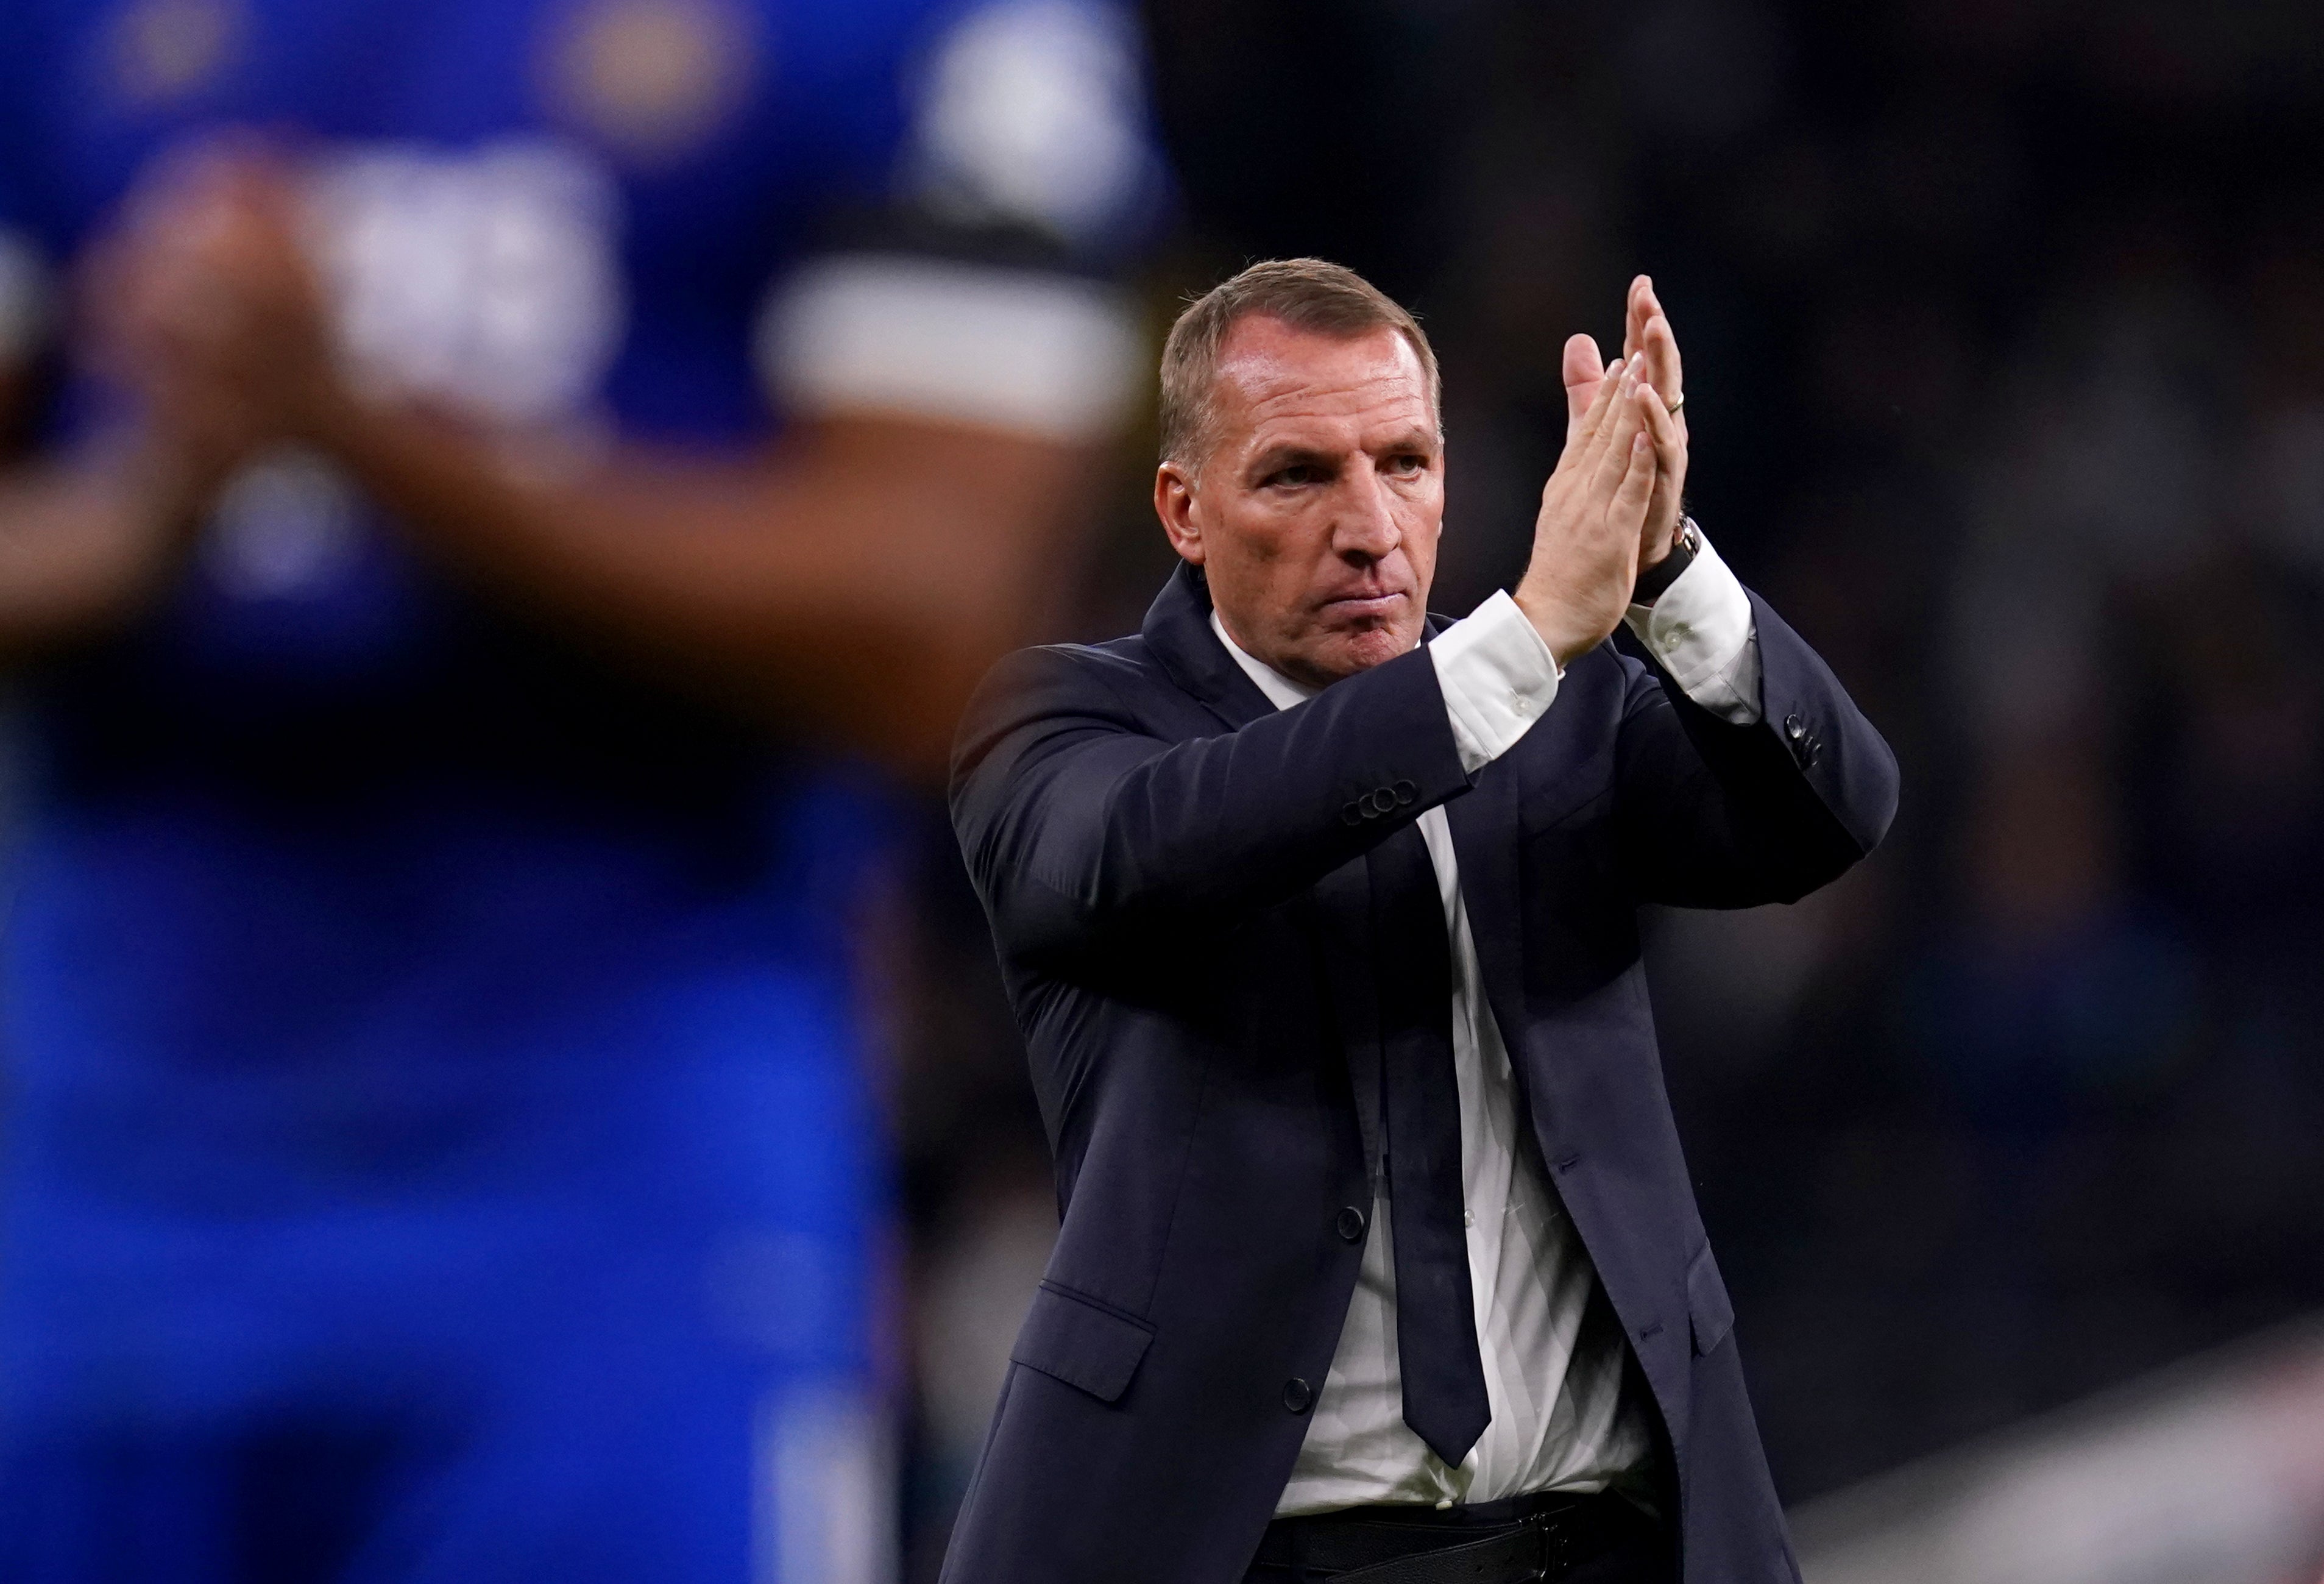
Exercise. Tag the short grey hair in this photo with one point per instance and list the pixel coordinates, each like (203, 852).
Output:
(1305, 293)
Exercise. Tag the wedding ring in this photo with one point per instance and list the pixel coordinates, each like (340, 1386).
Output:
(1672, 407)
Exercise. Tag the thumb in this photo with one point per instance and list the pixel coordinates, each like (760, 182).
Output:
(1583, 369)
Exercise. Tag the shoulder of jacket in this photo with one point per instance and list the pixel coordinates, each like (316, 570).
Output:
(1053, 680)
(1118, 663)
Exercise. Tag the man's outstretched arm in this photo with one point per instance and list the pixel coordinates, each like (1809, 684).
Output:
(854, 583)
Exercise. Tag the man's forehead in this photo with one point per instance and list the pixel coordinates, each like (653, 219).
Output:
(1272, 376)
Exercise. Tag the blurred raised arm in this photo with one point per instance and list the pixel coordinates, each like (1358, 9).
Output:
(853, 579)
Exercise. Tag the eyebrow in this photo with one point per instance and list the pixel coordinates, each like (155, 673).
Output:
(1278, 456)
(1289, 454)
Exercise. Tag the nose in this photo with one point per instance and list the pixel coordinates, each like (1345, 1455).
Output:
(1364, 527)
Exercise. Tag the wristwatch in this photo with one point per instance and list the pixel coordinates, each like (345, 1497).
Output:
(1685, 545)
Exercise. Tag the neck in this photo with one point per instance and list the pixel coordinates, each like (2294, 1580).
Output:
(1281, 691)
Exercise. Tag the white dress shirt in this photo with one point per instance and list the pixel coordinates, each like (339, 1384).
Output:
(1552, 1358)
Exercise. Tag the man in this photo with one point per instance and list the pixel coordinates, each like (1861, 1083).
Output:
(1379, 1261)
(455, 551)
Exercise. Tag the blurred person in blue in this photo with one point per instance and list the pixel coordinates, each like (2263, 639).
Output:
(482, 473)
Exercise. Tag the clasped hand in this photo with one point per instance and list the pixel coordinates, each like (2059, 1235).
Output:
(202, 301)
(1611, 508)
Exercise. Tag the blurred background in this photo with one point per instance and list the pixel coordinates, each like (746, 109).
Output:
(2005, 336)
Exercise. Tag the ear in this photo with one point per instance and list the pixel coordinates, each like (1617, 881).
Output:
(1175, 503)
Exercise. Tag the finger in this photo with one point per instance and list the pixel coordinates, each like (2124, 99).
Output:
(1658, 346)
(1662, 358)
(1584, 373)
(1626, 515)
(1670, 461)
(1662, 427)
(1636, 311)
(1599, 424)
(1625, 425)
(1585, 444)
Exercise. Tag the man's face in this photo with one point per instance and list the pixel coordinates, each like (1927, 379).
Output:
(1316, 514)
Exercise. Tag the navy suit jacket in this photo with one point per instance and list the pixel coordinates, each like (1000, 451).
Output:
(1176, 877)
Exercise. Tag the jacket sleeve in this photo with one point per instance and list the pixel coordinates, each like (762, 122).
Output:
(1711, 814)
(1079, 822)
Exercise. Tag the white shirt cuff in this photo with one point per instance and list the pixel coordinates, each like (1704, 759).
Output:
(1701, 631)
(1497, 677)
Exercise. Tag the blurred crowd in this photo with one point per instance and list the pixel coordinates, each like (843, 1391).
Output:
(2005, 337)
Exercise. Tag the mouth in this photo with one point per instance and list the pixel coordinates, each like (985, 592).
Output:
(1365, 607)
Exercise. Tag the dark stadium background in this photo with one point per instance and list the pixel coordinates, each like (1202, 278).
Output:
(2005, 329)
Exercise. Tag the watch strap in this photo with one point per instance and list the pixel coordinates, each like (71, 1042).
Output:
(1656, 579)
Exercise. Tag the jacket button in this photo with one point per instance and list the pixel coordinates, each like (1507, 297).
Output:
(1383, 800)
(1793, 728)
(1405, 791)
(1351, 1225)
(1299, 1395)
(1352, 815)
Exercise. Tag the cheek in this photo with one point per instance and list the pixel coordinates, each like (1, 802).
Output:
(1256, 564)
(1284, 546)
(1422, 529)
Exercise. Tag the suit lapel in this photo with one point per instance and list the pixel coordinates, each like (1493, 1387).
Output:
(1178, 629)
(1338, 908)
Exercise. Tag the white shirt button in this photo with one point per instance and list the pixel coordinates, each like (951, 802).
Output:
(1467, 1217)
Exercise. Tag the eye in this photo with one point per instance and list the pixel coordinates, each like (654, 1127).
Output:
(1407, 462)
(1297, 474)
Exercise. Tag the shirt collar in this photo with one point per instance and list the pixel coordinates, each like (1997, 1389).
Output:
(1281, 691)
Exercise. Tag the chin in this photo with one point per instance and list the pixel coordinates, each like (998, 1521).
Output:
(1363, 651)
